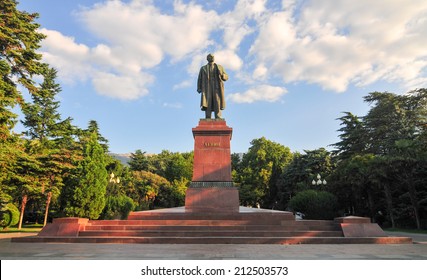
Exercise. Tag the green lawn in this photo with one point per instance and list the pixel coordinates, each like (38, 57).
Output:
(25, 228)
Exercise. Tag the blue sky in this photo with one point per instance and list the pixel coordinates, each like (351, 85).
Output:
(294, 66)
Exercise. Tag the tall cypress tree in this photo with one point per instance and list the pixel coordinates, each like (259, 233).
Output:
(88, 199)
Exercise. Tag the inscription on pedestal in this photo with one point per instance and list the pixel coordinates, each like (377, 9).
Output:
(212, 144)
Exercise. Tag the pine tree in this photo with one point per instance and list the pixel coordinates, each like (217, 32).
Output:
(41, 116)
(19, 61)
(94, 128)
(43, 124)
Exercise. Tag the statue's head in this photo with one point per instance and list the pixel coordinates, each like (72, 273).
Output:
(210, 57)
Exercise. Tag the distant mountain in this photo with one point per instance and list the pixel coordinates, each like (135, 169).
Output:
(124, 158)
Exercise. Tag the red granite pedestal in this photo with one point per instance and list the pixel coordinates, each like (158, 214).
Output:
(211, 189)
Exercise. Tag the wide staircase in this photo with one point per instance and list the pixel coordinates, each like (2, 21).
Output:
(250, 228)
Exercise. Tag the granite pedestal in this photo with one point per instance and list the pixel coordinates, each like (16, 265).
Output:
(211, 189)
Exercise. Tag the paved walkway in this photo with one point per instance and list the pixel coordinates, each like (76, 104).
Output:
(57, 251)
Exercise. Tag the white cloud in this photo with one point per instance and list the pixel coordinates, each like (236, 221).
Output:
(66, 55)
(229, 59)
(121, 86)
(183, 84)
(109, 75)
(148, 33)
(260, 93)
(336, 43)
(329, 43)
(260, 72)
(173, 105)
(136, 37)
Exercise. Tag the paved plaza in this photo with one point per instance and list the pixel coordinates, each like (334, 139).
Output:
(90, 251)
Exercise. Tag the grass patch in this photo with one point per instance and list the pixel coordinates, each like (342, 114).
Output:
(408, 230)
(25, 228)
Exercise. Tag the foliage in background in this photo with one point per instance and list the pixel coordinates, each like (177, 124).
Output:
(315, 205)
(260, 169)
(382, 158)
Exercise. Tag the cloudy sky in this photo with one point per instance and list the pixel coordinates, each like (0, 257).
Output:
(294, 66)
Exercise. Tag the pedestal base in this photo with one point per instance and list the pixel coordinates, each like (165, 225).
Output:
(212, 199)
(212, 158)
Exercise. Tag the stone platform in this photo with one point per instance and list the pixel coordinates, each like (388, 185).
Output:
(176, 226)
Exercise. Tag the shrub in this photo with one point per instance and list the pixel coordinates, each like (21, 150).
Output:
(9, 216)
(117, 207)
(316, 205)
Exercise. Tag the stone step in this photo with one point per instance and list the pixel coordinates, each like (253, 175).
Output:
(200, 233)
(313, 225)
(146, 215)
(244, 213)
(221, 240)
(187, 222)
(233, 227)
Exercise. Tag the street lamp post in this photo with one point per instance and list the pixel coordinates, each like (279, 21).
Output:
(319, 181)
(114, 179)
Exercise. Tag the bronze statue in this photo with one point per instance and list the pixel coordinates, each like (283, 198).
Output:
(210, 85)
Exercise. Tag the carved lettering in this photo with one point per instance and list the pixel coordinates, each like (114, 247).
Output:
(212, 144)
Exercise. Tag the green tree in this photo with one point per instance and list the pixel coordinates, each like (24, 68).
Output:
(396, 125)
(68, 154)
(91, 182)
(93, 127)
(43, 123)
(19, 61)
(25, 180)
(19, 40)
(262, 167)
(171, 195)
(175, 166)
(236, 166)
(170, 165)
(353, 137)
(139, 161)
(381, 158)
(41, 116)
(118, 203)
(147, 186)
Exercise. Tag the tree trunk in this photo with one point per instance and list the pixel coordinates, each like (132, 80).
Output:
(49, 196)
(414, 202)
(371, 205)
(23, 204)
(389, 203)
